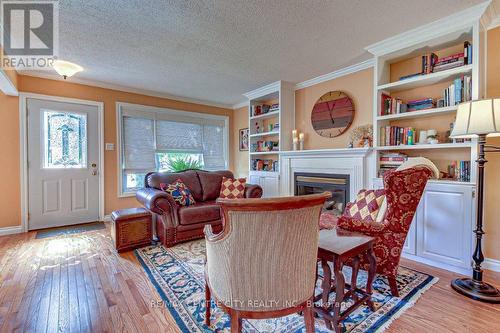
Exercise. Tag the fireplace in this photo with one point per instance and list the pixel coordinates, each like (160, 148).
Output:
(336, 184)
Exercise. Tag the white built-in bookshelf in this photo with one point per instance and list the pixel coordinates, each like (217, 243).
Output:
(269, 128)
(391, 63)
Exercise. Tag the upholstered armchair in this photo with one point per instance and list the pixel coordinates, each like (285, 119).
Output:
(403, 190)
(263, 263)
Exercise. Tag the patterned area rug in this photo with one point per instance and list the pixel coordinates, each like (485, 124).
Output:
(177, 274)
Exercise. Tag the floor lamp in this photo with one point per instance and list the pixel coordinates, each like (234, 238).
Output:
(478, 119)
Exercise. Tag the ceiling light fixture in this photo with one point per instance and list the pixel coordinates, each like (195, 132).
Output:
(66, 69)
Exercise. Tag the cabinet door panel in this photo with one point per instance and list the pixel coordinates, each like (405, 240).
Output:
(254, 180)
(270, 186)
(444, 224)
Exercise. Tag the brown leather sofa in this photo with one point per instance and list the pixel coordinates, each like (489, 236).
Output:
(176, 223)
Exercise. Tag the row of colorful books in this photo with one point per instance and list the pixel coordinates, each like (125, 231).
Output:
(265, 165)
(460, 170)
(431, 63)
(391, 105)
(390, 161)
(459, 91)
(395, 136)
(257, 110)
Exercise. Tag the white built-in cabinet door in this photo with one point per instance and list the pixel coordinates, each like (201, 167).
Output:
(444, 220)
(269, 184)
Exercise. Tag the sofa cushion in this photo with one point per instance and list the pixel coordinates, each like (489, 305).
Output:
(189, 177)
(179, 192)
(202, 212)
(232, 188)
(210, 183)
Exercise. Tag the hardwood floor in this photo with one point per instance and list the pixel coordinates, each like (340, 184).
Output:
(77, 283)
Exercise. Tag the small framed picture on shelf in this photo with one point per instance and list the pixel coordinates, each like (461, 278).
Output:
(244, 139)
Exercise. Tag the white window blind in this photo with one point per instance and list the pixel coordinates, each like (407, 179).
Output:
(178, 136)
(138, 145)
(148, 133)
(213, 147)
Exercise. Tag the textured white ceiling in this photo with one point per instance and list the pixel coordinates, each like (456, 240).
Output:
(217, 50)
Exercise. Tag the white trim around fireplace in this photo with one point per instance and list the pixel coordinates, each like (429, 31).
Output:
(354, 162)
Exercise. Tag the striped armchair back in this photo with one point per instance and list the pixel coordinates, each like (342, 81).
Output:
(265, 258)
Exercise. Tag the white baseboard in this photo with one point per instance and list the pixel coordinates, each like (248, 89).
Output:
(491, 264)
(451, 268)
(11, 230)
(107, 218)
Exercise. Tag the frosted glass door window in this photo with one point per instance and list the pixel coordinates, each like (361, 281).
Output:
(65, 142)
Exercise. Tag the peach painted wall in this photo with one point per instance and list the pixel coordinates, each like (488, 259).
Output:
(492, 171)
(359, 86)
(10, 204)
(9, 132)
(240, 120)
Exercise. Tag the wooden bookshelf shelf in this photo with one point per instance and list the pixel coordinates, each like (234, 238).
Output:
(427, 146)
(420, 113)
(258, 135)
(266, 115)
(264, 153)
(426, 80)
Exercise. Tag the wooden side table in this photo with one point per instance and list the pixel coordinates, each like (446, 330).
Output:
(340, 246)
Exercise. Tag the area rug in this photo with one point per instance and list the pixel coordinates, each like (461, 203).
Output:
(70, 230)
(178, 275)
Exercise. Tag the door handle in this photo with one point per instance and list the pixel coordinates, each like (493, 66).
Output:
(94, 169)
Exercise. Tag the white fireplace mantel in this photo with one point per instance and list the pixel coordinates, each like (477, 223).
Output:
(348, 161)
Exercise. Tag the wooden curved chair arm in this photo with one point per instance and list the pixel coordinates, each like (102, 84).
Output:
(209, 234)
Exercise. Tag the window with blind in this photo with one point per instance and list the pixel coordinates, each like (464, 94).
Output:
(151, 138)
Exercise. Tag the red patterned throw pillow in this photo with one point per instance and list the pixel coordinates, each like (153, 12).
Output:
(232, 188)
(366, 206)
(179, 192)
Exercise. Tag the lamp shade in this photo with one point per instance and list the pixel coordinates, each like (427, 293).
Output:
(477, 117)
(66, 68)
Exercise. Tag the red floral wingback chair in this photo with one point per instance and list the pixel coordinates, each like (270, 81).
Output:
(403, 190)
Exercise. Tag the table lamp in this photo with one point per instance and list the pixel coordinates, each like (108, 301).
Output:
(478, 119)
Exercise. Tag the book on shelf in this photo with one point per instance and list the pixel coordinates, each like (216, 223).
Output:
(390, 161)
(275, 107)
(421, 104)
(265, 165)
(459, 91)
(392, 105)
(395, 136)
(431, 63)
(460, 170)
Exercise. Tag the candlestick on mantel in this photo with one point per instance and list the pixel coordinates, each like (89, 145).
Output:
(301, 141)
(295, 143)
(294, 134)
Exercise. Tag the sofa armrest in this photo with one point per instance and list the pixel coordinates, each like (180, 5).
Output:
(155, 200)
(253, 191)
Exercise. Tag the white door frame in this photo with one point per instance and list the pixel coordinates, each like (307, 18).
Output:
(23, 146)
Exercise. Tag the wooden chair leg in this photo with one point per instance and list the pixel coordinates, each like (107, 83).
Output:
(235, 322)
(394, 286)
(207, 304)
(309, 317)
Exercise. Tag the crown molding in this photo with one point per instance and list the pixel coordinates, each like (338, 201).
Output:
(454, 22)
(491, 17)
(263, 91)
(126, 89)
(6, 85)
(240, 105)
(336, 74)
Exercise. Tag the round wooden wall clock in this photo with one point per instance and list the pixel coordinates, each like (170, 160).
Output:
(332, 114)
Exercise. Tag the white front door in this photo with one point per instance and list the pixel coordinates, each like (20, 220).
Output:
(63, 157)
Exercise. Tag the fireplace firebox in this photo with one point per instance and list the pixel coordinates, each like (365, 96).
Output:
(336, 184)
